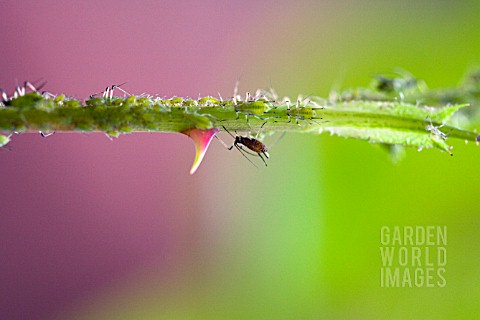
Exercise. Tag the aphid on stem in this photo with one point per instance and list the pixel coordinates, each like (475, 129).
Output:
(20, 91)
(302, 113)
(250, 143)
(254, 108)
(256, 105)
(4, 140)
(435, 130)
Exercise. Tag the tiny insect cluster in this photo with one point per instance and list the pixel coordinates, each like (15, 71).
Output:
(19, 92)
(115, 111)
(382, 114)
(250, 143)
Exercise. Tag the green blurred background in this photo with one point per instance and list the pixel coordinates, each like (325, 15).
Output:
(311, 223)
(301, 239)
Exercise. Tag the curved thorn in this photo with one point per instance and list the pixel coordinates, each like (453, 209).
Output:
(202, 139)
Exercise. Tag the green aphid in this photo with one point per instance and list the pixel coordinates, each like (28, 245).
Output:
(124, 128)
(199, 121)
(4, 140)
(45, 105)
(162, 102)
(176, 102)
(160, 107)
(116, 102)
(190, 103)
(129, 102)
(59, 99)
(253, 108)
(306, 114)
(208, 101)
(72, 104)
(113, 133)
(227, 103)
(144, 102)
(95, 102)
(27, 101)
(302, 113)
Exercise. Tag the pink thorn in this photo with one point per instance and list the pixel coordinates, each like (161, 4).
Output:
(202, 139)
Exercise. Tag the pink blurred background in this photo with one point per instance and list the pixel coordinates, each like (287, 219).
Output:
(98, 229)
(81, 214)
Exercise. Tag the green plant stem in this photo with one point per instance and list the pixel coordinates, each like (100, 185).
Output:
(381, 122)
(392, 111)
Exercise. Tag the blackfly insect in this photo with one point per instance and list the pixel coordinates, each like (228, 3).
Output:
(250, 143)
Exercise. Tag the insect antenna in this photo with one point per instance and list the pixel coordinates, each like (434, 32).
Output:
(4, 95)
(108, 93)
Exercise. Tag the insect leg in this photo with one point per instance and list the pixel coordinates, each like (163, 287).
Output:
(242, 152)
(222, 142)
(30, 86)
(4, 95)
(263, 159)
(46, 135)
(248, 152)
